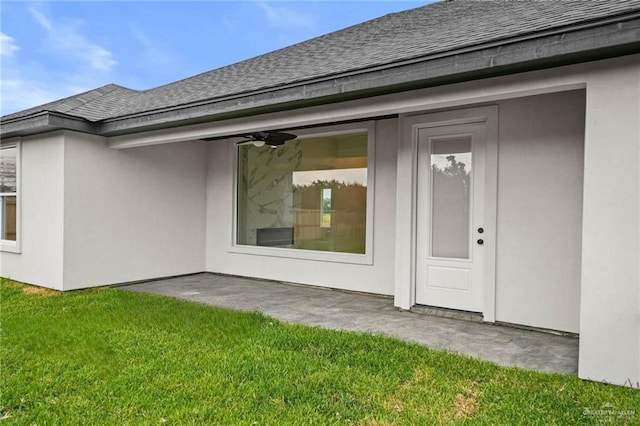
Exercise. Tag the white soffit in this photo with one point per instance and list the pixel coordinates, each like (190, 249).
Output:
(490, 90)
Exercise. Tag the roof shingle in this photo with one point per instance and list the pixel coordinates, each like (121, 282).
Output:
(437, 28)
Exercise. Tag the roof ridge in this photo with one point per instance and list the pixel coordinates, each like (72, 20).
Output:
(119, 86)
(100, 91)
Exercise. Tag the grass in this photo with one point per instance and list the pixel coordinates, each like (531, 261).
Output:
(107, 356)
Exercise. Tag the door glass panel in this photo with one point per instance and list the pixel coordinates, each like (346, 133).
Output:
(450, 197)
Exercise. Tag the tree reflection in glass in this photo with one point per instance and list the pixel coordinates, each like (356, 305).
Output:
(314, 189)
(450, 197)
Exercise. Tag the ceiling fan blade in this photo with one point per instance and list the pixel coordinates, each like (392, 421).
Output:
(278, 138)
(254, 142)
(273, 139)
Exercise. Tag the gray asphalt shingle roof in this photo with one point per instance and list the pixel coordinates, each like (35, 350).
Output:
(433, 29)
(93, 105)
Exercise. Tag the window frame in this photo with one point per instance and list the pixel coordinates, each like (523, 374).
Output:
(367, 127)
(9, 245)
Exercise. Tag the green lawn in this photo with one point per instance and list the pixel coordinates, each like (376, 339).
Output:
(107, 356)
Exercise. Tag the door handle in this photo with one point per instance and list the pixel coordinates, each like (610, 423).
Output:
(480, 230)
(480, 241)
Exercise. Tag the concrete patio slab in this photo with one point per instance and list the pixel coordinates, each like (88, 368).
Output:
(341, 310)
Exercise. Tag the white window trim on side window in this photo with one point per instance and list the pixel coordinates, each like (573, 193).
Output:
(324, 256)
(8, 245)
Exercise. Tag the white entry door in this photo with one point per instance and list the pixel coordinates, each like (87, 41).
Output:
(451, 234)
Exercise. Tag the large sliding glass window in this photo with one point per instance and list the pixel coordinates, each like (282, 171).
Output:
(308, 194)
(9, 193)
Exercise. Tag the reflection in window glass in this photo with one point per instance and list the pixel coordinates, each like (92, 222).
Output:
(307, 194)
(8, 192)
(8, 170)
(450, 197)
(8, 229)
(325, 208)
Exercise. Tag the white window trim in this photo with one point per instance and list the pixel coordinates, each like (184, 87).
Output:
(323, 256)
(8, 245)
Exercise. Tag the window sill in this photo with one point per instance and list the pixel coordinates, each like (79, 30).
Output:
(9, 246)
(300, 254)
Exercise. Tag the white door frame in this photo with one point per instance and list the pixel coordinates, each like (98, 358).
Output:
(406, 200)
(455, 282)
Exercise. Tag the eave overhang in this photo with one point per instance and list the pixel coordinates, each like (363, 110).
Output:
(45, 121)
(616, 36)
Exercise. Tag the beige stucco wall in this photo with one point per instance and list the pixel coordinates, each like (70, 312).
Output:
(132, 214)
(41, 213)
(610, 296)
(540, 167)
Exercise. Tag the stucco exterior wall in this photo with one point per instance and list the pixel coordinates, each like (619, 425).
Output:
(132, 214)
(374, 278)
(540, 167)
(610, 297)
(41, 192)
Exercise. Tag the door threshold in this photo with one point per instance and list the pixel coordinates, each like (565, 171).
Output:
(447, 313)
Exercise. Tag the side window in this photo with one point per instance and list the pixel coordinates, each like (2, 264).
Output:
(9, 175)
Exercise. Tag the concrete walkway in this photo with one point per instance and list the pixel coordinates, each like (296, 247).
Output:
(375, 314)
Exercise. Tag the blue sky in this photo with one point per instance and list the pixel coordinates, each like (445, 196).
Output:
(54, 49)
